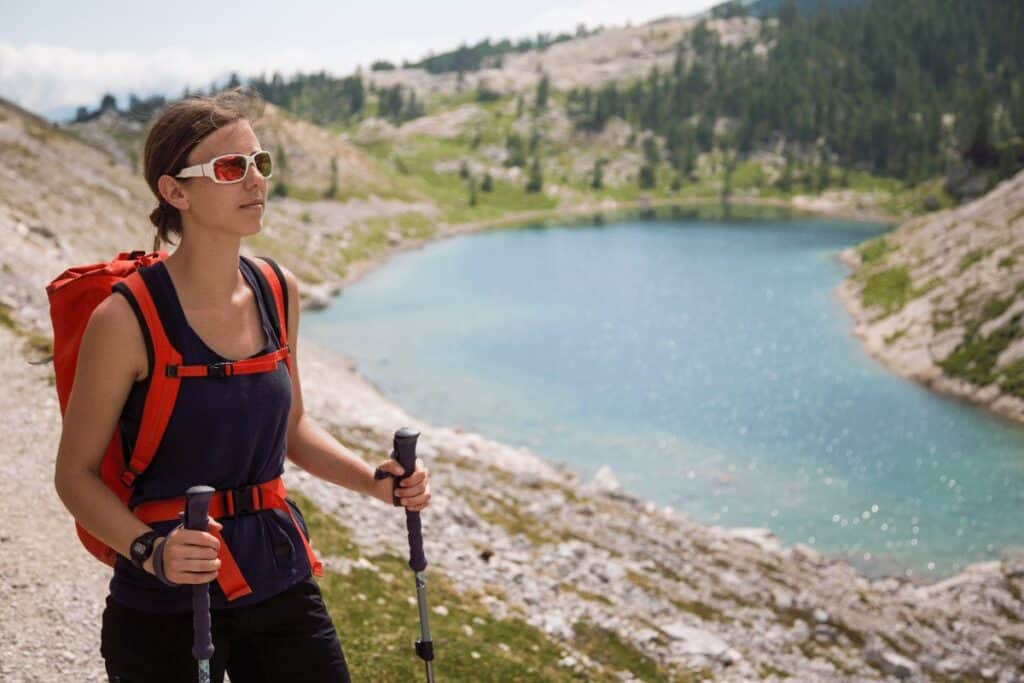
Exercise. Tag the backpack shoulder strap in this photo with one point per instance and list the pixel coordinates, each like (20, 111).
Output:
(274, 288)
(163, 389)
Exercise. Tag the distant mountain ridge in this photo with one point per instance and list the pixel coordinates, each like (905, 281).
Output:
(770, 8)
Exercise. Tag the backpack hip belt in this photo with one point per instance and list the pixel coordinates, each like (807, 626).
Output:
(228, 503)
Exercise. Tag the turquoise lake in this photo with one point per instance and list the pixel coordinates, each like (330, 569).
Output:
(709, 364)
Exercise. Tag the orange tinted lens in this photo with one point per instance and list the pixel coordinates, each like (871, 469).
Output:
(264, 164)
(229, 169)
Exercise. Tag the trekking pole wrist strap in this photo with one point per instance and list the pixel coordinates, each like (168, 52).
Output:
(158, 564)
(384, 474)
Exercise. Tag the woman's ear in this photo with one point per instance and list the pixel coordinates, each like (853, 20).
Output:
(172, 192)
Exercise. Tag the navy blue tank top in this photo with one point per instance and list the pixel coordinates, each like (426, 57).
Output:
(224, 432)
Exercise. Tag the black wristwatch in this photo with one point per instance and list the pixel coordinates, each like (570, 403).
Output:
(142, 547)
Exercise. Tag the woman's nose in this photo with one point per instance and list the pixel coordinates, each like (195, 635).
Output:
(253, 178)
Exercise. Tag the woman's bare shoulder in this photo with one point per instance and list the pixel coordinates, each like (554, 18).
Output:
(115, 331)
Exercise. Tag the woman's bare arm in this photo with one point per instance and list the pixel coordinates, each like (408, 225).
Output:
(111, 357)
(312, 447)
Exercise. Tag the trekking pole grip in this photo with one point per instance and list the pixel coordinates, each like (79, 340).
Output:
(197, 507)
(405, 453)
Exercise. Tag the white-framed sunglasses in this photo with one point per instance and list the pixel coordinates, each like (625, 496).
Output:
(230, 168)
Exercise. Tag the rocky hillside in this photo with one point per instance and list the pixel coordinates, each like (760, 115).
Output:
(61, 202)
(940, 300)
(614, 54)
(72, 196)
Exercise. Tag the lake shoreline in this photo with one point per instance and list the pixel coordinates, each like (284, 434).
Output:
(356, 270)
(364, 267)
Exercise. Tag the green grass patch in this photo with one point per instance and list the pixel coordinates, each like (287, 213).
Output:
(328, 536)
(47, 135)
(641, 581)
(702, 610)
(892, 338)
(606, 646)
(970, 258)
(975, 358)
(40, 344)
(994, 308)
(1011, 379)
(874, 251)
(442, 102)
(888, 289)
(510, 517)
(927, 287)
(747, 175)
(36, 343)
(6, 320)
(767, 671)
(377, 624)
(586, 595)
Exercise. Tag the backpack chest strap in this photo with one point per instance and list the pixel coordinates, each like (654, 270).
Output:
(265, 363)
(229, 503)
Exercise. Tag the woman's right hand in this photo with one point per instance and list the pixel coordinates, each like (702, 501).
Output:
(190, 556)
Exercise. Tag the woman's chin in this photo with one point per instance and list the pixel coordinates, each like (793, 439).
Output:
(253, 226)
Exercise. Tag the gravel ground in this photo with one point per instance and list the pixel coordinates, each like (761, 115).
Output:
(51, 589)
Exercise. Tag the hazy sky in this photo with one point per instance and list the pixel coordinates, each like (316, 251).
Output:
(55, 56)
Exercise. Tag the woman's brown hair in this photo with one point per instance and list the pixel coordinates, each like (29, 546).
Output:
(176, 133)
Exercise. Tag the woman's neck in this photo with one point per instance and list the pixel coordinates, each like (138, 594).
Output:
(206, 273)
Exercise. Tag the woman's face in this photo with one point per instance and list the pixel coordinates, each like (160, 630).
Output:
(223, 207)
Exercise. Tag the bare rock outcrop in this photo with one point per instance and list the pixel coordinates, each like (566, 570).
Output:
(940, 300)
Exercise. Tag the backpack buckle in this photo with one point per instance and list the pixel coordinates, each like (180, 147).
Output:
(240, 500)
(220, 369)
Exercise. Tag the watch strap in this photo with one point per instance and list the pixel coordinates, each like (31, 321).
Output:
(146, 540)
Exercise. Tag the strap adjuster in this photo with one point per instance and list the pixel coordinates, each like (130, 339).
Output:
(128, 477)
(239, 501)
(224, 369)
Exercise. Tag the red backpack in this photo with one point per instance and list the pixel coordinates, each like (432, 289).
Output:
(73, 296)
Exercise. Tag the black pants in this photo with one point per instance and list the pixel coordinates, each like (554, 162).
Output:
(286, 638)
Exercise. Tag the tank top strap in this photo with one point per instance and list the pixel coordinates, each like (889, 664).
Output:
(253, 278)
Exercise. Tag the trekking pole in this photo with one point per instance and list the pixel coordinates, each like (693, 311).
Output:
(405, 453)
(197, 506)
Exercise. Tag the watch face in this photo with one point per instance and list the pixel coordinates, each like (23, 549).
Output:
(138, 547)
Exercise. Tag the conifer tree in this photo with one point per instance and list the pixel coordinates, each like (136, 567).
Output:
(536, 181)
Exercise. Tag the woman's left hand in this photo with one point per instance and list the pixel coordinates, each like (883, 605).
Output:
(414, 492)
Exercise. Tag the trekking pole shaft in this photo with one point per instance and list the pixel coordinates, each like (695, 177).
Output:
(424, 646)
(197, 506)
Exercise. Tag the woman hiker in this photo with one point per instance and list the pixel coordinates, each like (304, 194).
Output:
(208, 172)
